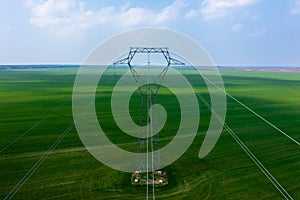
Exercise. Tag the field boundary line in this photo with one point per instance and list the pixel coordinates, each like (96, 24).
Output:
(262, 168)
(255, 113)
(34, 126)
(27, 176)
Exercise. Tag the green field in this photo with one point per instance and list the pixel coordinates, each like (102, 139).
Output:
(36, 110)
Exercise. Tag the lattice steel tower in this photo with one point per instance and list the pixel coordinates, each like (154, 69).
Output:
(148, 92)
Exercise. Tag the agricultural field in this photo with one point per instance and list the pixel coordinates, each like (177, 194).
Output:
(42, 157)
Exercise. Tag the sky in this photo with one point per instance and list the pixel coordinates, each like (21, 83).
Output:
(233, 32)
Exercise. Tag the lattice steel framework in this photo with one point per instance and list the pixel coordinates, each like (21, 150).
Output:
(148, 98)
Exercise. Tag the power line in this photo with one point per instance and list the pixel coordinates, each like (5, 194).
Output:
(255, 113)
(31, 128)
(27, 176)
(262, 168)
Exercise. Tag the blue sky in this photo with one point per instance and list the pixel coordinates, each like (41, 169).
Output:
(234, 32)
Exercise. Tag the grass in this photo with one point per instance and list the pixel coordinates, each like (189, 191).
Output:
(70, 172)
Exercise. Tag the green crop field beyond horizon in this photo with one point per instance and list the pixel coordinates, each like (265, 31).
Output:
(40, 158)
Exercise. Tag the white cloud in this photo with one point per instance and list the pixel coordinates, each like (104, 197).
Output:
(259, 33)
(170, 12)
(236, 27)
(68, 16)
(135, 16)
(296, 8)
(192, 13)
(143, 16)
(212, 9)
(28, 2)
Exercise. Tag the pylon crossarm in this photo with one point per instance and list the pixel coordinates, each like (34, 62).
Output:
(175, 62)
(121, 62)
(170, 60)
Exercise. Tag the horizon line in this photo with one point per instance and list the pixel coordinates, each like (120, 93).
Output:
(79, 64)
